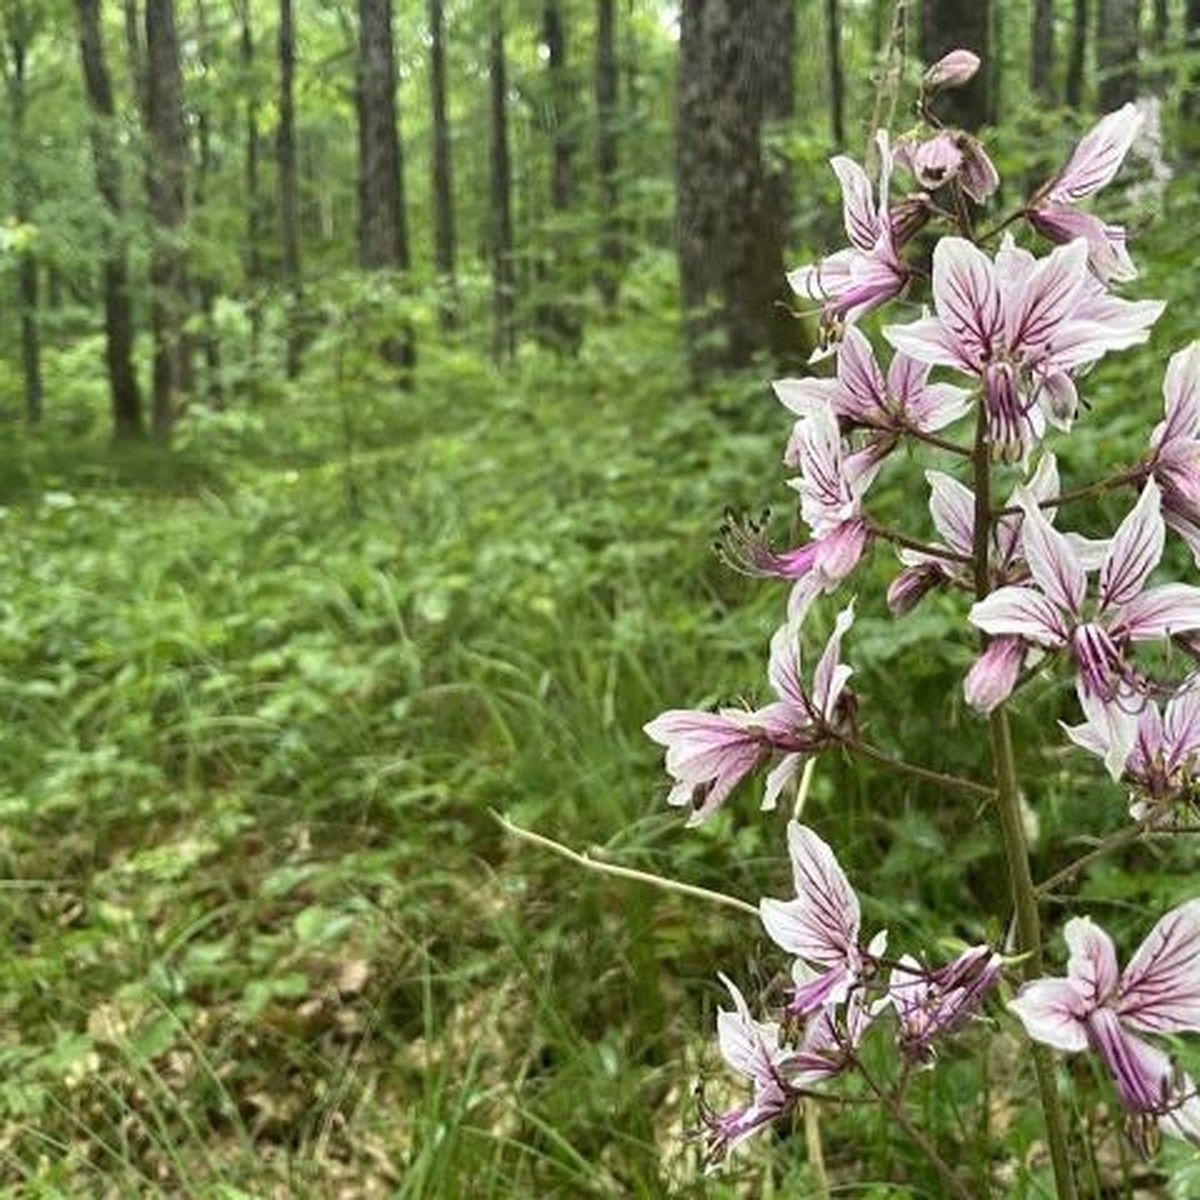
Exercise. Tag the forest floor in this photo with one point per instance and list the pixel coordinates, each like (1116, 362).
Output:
(262, 698)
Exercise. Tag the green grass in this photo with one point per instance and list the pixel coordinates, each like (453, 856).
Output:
(260, 695)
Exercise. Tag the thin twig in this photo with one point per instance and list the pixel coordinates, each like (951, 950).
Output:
(585, 860)
(1125, 837)
(1132, 475)
(918, 1137)
(902, 539)
(918, 772)
(940, 442)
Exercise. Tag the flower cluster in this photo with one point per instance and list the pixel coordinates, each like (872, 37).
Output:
(1002, 346)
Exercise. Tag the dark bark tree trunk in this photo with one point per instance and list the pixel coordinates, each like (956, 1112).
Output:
(1078, 59)
(382, 236)
(443, 187)
(557, 319)
(382, 224)
(209, 339)
(837, 87)
(166, 179)
(118, 313)
(289, 205)
(1117, 52)
(947, 25)
(1041, 51)
(252, 258)
(730, 235)
(18, 33)
(504, 337)
(608, 277)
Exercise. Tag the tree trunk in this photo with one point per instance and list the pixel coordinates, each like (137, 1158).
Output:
(382, 227)
(382, 238)
(252, 258)
(837, 104)
(18, 32)
(947, 25)
(730, 228)
(1075, 65)
(504, 337)
(289, 206)
(1117, 52)
(118, 314)
(1041, 51)
(1190, 101)
(209, 339)
(557, 319)
(166, 179)
(608, 277)
(443, 188)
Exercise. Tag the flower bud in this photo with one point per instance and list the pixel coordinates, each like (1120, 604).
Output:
(951, 70)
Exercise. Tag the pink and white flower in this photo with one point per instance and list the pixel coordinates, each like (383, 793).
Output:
(1099, 1007)
(1021, 326)
(832, 482)
(820, 926)
(863, 398)
(1092, 165)
(952, 508)
(929, 1003)
(869, 271)
(1051, 613)
(952, 70)
(950, 155)
(780, 1072)
(709, 753)
(1175, 447)
(1163, 768)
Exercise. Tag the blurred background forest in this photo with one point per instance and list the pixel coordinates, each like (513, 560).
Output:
(373, 378)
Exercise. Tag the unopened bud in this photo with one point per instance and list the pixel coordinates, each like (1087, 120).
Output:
(951, 70)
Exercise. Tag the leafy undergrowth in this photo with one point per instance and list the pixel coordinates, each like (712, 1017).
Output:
(265, 936)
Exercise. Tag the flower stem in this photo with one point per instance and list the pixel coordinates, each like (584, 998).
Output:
(902, 539)
(918, 772)
(585, 860)
(1124, 837)
(1016, 852)
(1029, 932)
(940, 442)
(954, 1185)
(1132, 475)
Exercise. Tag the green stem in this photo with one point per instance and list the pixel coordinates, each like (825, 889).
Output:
(953, 1184)
(1016, 852)
(918, 772)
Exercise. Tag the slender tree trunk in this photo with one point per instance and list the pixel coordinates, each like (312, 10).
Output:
(209, 339)
(1117, 52)
(947, 25)
(253, 264)
(1041, 51)
(31, 338)
(289, 206)
(166, 178)
(730, 229)
(837, 103)
(504, 338)
(18, 30)
(1078, 59)
(382, 227)
(557, 320)
(118, 314)
(607, 152)
(443, 187)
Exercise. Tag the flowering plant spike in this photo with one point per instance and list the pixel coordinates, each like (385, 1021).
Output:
(980, 371)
